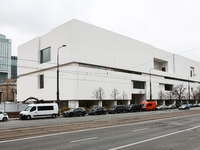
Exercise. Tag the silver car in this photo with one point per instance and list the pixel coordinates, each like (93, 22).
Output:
(161, 107)
(172, 106)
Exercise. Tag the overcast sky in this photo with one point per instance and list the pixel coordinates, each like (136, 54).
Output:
(171, 25)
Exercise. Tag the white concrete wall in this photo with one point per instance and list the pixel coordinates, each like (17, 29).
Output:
(92, 45)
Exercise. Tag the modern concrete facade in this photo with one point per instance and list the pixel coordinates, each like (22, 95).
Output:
(95, 57)
(5, 58)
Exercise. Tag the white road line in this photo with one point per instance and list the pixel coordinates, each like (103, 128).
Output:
(139, 129)
(84, 139)
(85, 130)
(155, 138)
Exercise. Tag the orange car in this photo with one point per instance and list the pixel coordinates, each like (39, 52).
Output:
(148, 105)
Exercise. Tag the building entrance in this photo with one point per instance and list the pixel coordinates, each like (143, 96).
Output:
(137, 98)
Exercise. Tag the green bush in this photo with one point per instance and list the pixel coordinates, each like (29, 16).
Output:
(107, 107)
(65, 109)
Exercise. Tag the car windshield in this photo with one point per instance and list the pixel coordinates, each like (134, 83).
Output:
(28, 108)
(71, 109)
(112, 107)
(144, 105)
(94, 108)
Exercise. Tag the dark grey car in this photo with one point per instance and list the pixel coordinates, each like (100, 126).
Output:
(117, 109)
(74, 112)
(97, 111)
(134, 107)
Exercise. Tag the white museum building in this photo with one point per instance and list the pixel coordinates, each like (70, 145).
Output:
(95, 58)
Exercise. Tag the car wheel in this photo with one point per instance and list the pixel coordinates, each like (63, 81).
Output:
(28, 117)
(5, 119)
(115, 112)
(104, 113)
(82, 114)
(53, 116)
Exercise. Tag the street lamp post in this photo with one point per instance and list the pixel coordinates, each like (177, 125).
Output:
(188, 90)
(58, 100)
(150, 85)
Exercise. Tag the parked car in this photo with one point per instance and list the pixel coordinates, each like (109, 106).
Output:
(179, 104)
(39, 111)
(134, 107)
(3, 116)
(161, 107)
(148, 106)
(97, 111)
(195, 105)
(117, 109)
(74, 112)
(190, 105)
(172, 106)
(183, 107)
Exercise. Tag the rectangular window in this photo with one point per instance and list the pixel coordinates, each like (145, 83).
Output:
(45, 55)
(43, 108)
(41, 81)
(168, 87)
(192, 72)
(138, 85)
(163, 69)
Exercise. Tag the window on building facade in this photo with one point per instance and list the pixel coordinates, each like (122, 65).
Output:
(138, 85)
(168, 87)
(45, 55)
(191, 71)
(41, 81)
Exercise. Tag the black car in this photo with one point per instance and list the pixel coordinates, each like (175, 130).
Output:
(97, 111)
(117, 109)
(74, 112)
(134, 107)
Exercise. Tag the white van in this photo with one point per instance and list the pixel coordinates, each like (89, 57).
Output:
(39, 111)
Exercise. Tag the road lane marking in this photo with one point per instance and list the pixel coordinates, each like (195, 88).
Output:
(139, 129)
(155, 138)
(85, 130)
(83, 140)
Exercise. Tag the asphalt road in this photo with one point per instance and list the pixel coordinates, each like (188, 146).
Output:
(16, 123)
(178, 133)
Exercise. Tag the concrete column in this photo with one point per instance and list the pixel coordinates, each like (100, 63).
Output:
(174, 102)
(163, 102)
(156, 102)
(100, 103)
(73, 104)
(126, 102)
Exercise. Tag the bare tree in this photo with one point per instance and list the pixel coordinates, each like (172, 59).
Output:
(124, 96)
(179, 92)
(99, 93)
(161, 95)
(114, 94)
(169, 95)
(196, 94)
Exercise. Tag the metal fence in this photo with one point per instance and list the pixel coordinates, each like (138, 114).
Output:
(12, 107)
